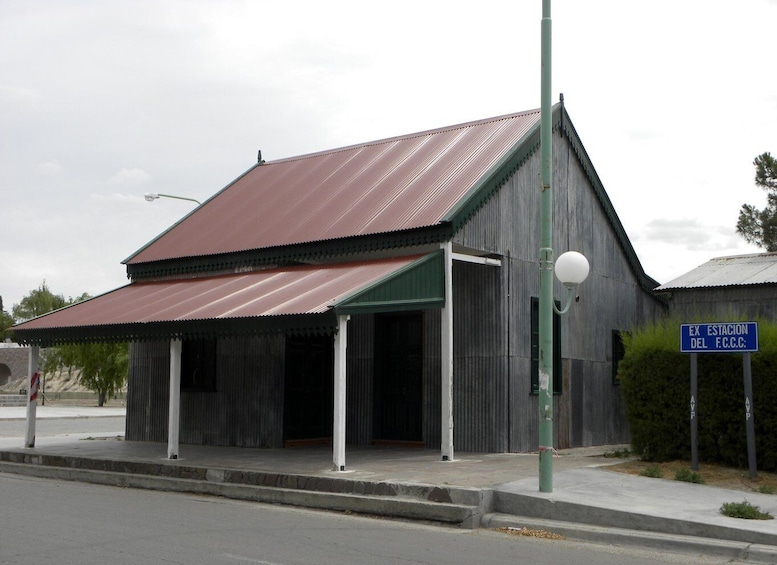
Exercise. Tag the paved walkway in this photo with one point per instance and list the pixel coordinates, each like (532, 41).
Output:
(588, 500)
(59, 411)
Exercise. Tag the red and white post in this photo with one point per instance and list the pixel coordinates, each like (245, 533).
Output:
(32, 395)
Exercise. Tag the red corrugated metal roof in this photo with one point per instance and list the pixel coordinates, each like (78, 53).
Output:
(389, 185)
(305, 289)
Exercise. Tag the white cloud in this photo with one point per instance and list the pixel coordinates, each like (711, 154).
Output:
(129, 177)
(670, 115)
(19, 95)
(49, 167)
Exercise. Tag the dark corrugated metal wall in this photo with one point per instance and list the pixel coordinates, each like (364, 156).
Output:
(360, 377)
(493, 408)
(590, 410)
(480, 378)
(246, 410)
(148, 392)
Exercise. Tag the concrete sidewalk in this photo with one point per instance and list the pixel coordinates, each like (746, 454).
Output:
(589, 501)
(60, 411)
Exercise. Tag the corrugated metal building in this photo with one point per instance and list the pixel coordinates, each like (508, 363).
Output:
(726, 288)
(375, 247)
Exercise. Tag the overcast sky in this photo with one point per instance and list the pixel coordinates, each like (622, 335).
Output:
(102, 101)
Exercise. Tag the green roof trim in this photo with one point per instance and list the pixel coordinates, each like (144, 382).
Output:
(490, 183)
(418, 286)
(564, 124)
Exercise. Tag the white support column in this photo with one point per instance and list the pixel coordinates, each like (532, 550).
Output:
(338, 432)
(32, 395)
(446, 358)
(174, 418)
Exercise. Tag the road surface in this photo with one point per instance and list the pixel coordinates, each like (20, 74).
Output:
(49, 521)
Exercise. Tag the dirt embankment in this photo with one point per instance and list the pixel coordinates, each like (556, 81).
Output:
(62, 388)
(713, 475)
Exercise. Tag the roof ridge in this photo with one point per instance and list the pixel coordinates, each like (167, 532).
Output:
(764, 254)
(396, 138)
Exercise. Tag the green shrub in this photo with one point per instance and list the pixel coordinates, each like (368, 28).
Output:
(655, 384)
(767, 489)
(652, 471)
(688, 476)
(744, 510)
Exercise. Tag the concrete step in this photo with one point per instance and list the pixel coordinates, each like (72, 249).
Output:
(460, 506)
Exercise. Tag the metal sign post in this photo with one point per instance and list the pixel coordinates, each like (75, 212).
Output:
(749, 419)
(694, 419)
(722, 337)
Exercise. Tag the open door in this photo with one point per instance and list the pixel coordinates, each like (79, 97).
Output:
(398, 393)
(308, 412)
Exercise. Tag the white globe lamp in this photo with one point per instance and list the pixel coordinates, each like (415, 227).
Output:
(572, 268)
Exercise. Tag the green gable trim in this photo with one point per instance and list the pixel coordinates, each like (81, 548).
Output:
(499, 174)
(418, 286)
(490, 183)
(568, 130)
(168, 230)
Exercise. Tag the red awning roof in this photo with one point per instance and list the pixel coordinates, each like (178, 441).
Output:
(161, 309)
(403, 183)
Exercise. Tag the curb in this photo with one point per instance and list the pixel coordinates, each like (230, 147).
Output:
(734, 550)
(406, 507)
(517, 504)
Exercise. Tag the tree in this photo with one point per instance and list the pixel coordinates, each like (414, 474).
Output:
(6, 321)
(38, 302)
(102, 367)
(760, 226)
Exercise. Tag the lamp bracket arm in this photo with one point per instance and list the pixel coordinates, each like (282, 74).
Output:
(566, 307)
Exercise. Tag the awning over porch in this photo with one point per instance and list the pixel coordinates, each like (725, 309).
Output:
(298, 299)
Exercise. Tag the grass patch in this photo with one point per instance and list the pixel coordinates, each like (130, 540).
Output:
(652, 471)
(744, 510)
(767, 489)
(623, 453)
(688, 476)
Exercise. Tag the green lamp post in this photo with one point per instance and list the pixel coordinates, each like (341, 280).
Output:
(571, 268)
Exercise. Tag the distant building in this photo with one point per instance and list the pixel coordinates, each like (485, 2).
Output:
(726, 288)
(13, 362)
(250, 292)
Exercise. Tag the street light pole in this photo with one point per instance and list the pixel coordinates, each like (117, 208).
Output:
(151, 196)
(546, 261)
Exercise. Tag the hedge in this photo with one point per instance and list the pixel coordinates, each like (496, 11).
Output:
(655, 383)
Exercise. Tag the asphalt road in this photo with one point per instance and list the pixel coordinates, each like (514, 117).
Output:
(47, 521)
(45, 427)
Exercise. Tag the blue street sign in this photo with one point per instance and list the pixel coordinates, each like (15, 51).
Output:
(721, 337)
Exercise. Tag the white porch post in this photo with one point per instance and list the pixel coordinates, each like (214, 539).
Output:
(338, 433)
(173, 421)
(32, 395)
(446, 358)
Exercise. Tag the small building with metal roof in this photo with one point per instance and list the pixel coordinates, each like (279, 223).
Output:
(404, 271)
(725, 288)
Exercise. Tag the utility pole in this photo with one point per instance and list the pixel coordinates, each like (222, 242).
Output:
(546, 261)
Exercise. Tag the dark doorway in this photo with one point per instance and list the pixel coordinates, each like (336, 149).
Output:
(398, 378)
(308, 412)
(5, 374)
